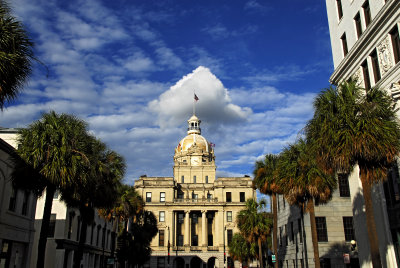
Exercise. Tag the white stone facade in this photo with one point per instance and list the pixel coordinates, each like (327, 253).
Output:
(17, 210)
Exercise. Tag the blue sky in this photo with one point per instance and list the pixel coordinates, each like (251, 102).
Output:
(129, 69)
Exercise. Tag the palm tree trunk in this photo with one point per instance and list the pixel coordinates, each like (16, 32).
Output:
(275, 213)
(310, 208)
(82, 240)
(303, 230)
(369, 213)
(44, 228)
(260, 253)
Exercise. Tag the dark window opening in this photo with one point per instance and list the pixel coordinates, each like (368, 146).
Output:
(344, 188)
(357, 21)
(228, 197)
(161, 238)
(348, 228)
(206, 179)
(367, 82)
(339, 8)
(13, 200)
(367, 13)
(25, 203)
(242, 197)
(183, 179)
(344, 44)
(52, 225)
(229, 235)
(322, 234)
(375, 66)
(300, 230)
(394, 34)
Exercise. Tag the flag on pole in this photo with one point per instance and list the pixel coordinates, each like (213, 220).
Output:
(195, 97)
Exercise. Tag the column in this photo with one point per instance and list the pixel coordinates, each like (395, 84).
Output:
(217, 229)
(204, 228)
(186, 240)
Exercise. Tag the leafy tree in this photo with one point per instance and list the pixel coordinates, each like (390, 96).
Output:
(52, 149)
(240, 249)
(254, 225)
(352, 127)
(129, 204)
(15, 55)
(135, 244)
(265, 179)
(303, 182)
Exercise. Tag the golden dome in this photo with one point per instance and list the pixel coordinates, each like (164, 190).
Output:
(190, 140)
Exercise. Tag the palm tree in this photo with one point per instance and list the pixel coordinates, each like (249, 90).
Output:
(95, 186)
(302, 183)
(240, 249)
(15, 55)
(356, 127)
(265, 178)
(254, 225)
(52, 148)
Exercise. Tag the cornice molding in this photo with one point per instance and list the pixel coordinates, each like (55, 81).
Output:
(360, 50)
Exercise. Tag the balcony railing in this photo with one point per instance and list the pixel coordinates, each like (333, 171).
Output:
(212, 248)
(195, 200)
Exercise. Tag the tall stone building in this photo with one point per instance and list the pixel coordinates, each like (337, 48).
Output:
(366, 46)
(196, 211)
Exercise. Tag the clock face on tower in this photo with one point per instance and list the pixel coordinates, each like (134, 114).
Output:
(195, 160)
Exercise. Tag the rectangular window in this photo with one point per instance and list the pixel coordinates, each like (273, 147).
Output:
(339, 8)
(160, 262)
(278, 199)
(286, 235)
(25, 203)
(13, 200)
(78, 229)
(348, 228)
(229, 236)
(375, 66)
(367, 13)
(291, 232)
(344, 44)
(183, 179)
(161, 217)
(284, 203)
(300, 230)
(161, 238)
(98, 235)
(394, 34)
(229, 216)
(162, 197)
(228, 197)
(206, 179)
(148, 197)
(280, 236)
(180, 240)
(209, 196)
(322, 234)
(357, 22)
(242, 197)
(52, 225)
(344, 188)
(367, 82)
(195, 240)
(194, 179)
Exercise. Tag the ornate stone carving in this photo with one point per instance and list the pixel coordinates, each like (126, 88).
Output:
(385, 55)
(395, 91)
(358, 76)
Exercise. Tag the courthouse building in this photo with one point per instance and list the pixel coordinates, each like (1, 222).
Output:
(196, 211)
